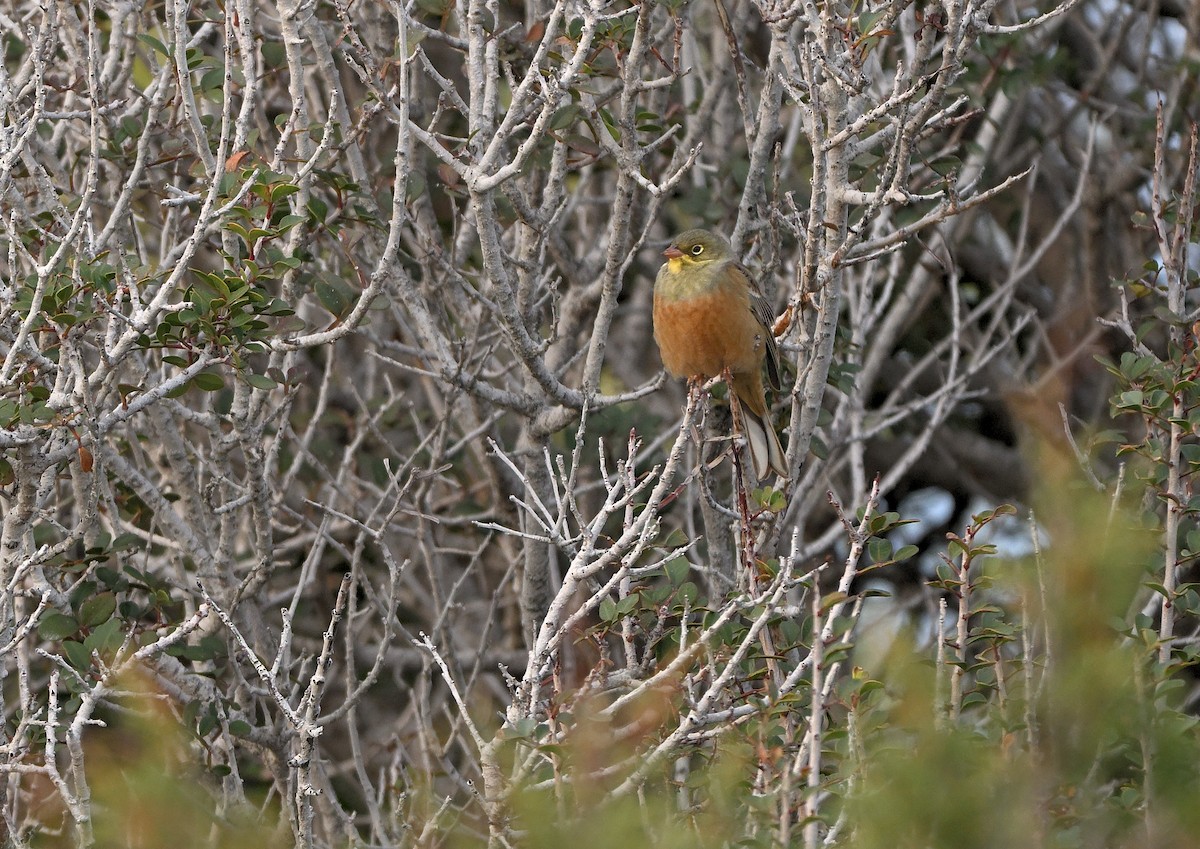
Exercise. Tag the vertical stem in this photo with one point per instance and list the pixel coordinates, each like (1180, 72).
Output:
(964, 618)
(1173, 244)
(940, 666)
(815, 728)
(1175, 505)
(628, 635)
(536, 588)
(747, 553)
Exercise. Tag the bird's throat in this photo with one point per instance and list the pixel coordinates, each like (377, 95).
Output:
(684, 278)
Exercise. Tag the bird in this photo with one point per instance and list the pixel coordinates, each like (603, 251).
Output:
(711, 320)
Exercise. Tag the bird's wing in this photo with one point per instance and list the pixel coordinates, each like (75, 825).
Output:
(762, 310)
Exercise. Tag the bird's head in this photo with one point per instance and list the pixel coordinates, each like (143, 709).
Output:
(695, 248)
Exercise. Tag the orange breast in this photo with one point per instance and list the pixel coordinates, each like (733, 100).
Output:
(703, 335)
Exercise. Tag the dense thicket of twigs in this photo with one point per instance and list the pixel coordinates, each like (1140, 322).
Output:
(332, 425)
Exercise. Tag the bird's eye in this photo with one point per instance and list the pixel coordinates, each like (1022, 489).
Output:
(697, 250)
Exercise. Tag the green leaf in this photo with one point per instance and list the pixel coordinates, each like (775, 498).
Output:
(610, 124)
(97, 609)
(78, 656)
(213, 80)
(866, 21)
(608, 610)
(525, 727)
(1129, 400)
(828, 601)
(677, 571)
(880, 550)
(333, 297)
(209, 648)
(106, 637)
(208, 382)
(260, 381)
(674, 538)
(207, 722)
(564, 117)
(655, 596)
(628, 604)
(126, 541)
(57, 626)
(317, 208)
(277, 307)
(157, 45)
(279, 191)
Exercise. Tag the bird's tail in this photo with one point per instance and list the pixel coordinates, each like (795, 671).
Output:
(766, 454)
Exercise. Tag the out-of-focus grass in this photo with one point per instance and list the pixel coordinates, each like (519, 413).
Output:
(149, 792)
(1083, 743)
